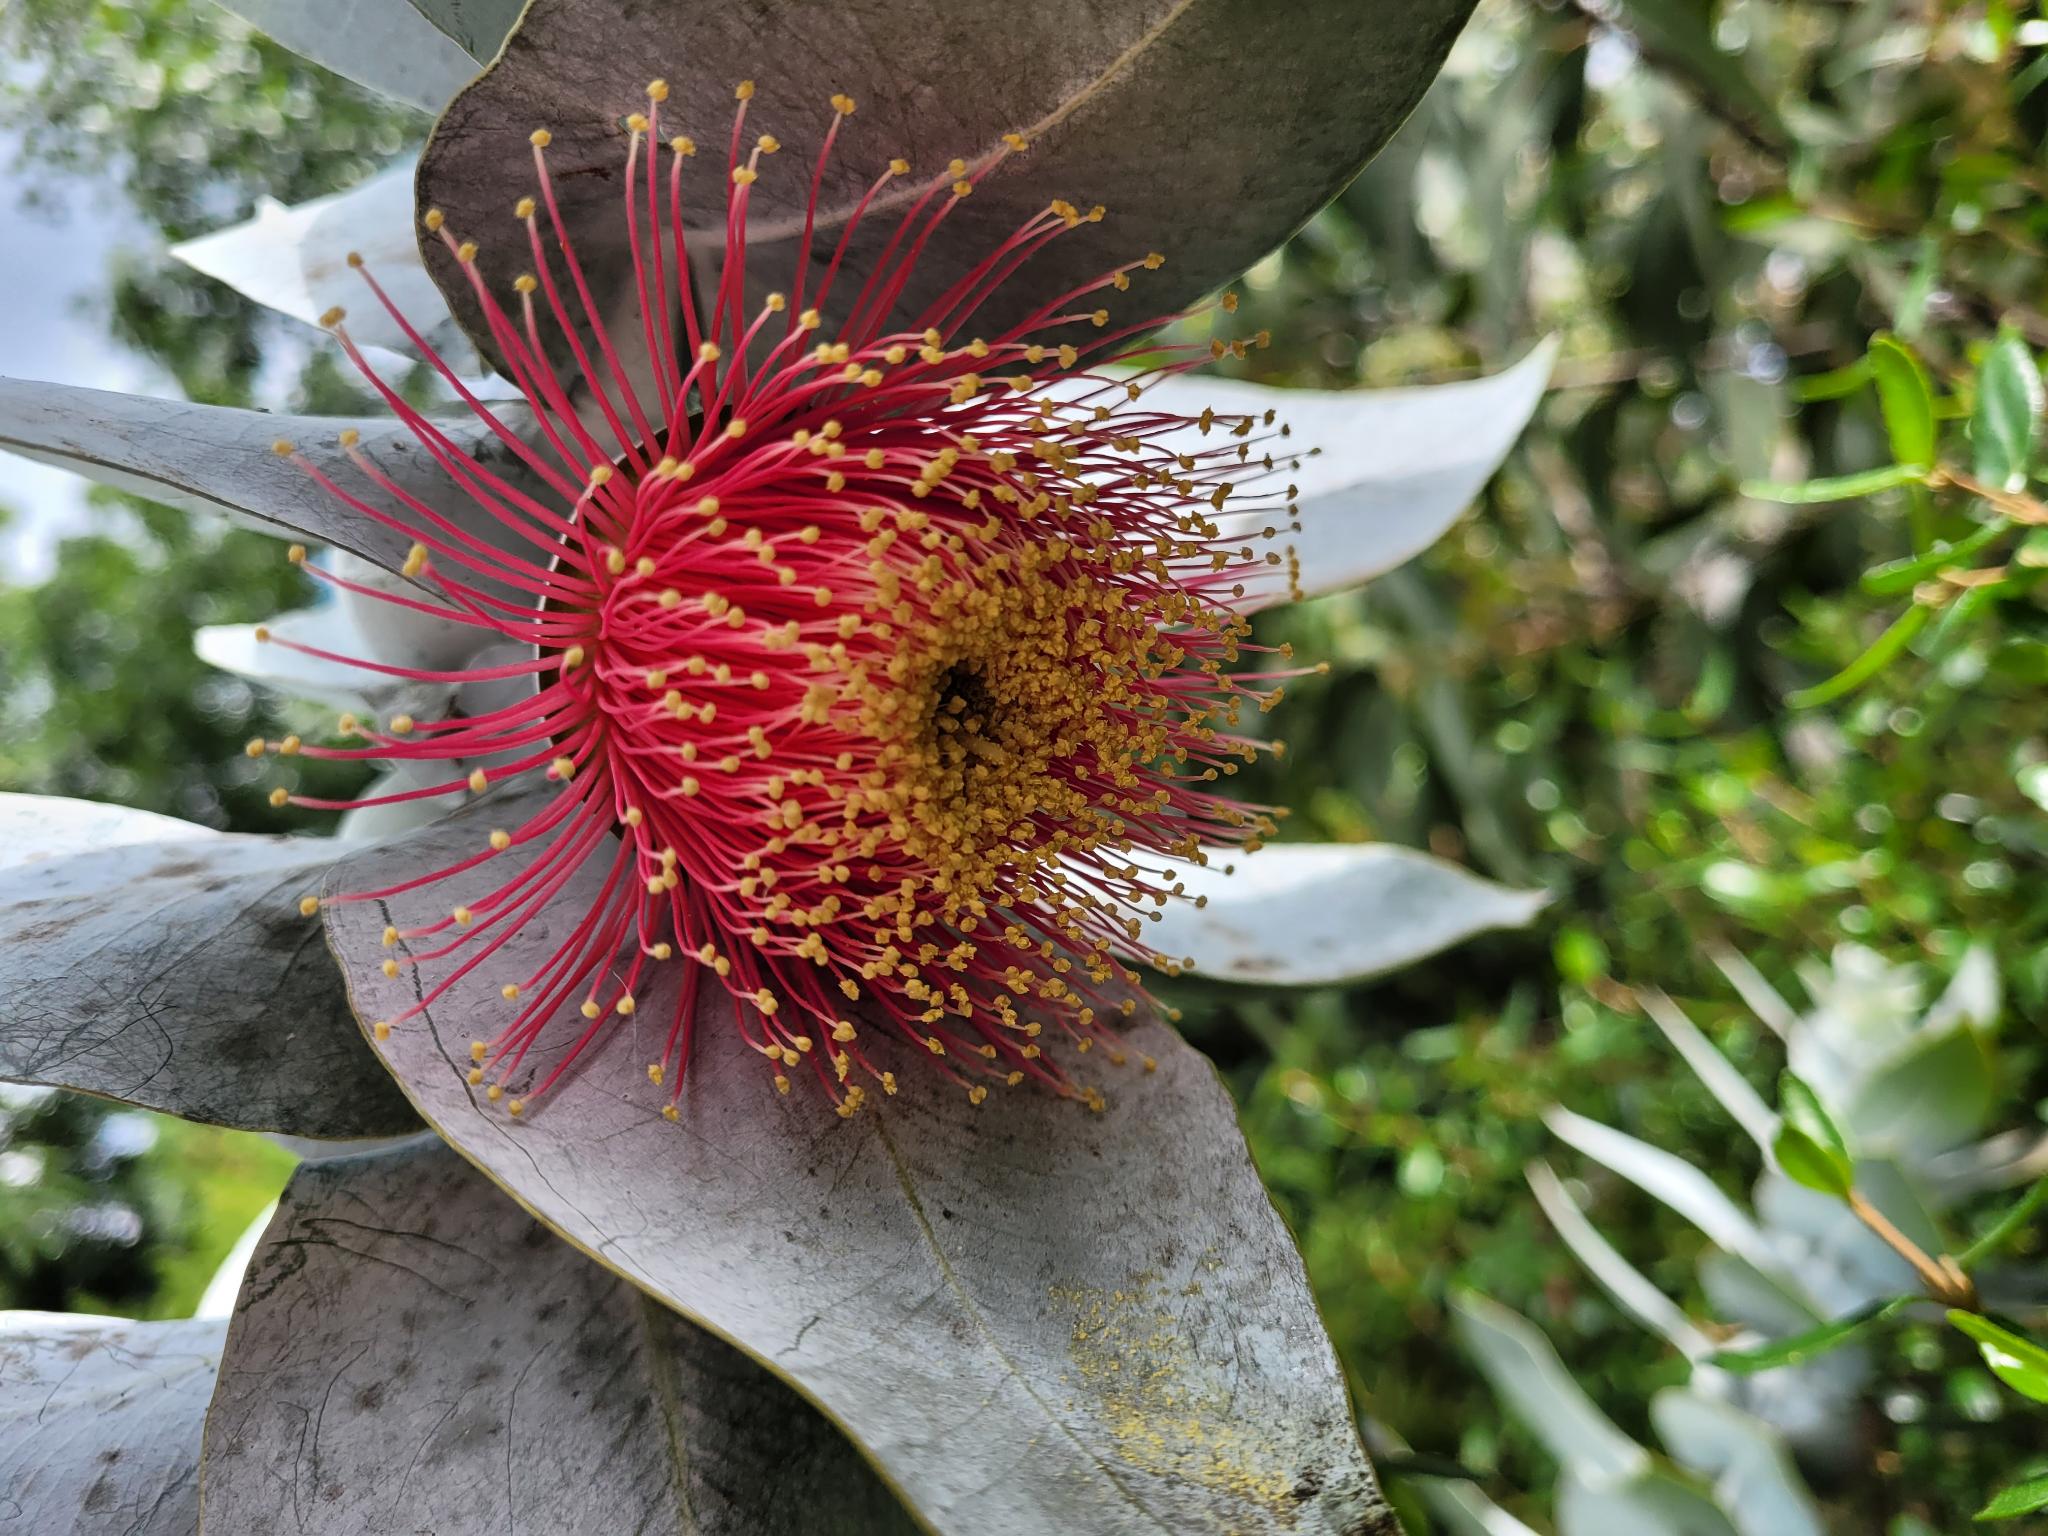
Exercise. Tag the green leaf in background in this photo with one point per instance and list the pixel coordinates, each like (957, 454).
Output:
(1896, 576)
(1805, 1161)
(2007, 421)
(1811, 1344)
(2018, 1362)
(1873, 661)
(1906, 397)
(2019, 1499)
(1678, 35)
(1835, 384)
(1866, 482)
(2010, 1221)
(1803, 1110)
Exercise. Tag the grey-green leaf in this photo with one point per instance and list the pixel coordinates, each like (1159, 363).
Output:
(1751, 1470)
(1534, 1386)
(2007, 421)
(1032, 1318)
(1169, 112)
(530, 1388)
(1935, 1094)
(100, 1421)
(388, 45)
(159, 963)
(479, 26)
(211, 458)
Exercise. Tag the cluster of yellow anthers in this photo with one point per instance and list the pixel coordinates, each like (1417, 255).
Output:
(896, 662)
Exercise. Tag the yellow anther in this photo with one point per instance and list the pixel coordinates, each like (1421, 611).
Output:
(540, 138)
(501, 839)
(308, 905)
(478, 781)
(523, 209)
(843, 104)
(296, 554)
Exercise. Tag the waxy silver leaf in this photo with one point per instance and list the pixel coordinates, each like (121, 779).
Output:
(1210, 130)
(1030, 1317)
(412, 1352)
(100, 1423)
(163, 964)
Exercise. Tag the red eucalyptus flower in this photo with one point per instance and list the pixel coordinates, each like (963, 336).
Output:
(897, 656)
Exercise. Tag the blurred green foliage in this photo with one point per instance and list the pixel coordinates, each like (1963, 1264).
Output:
(1588, 686)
